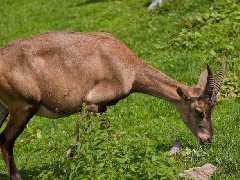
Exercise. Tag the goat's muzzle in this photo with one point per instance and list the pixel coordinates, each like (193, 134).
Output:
(205, 139)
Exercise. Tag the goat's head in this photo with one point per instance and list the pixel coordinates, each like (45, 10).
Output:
(197, 105)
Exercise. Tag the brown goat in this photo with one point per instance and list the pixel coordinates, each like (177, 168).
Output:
(53, 74)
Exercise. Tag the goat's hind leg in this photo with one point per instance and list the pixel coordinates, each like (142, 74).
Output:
(15, 126)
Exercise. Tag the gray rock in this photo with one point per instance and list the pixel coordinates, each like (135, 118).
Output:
(199, 173)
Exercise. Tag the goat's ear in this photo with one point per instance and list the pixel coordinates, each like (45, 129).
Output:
(183, 94)
(202, 81)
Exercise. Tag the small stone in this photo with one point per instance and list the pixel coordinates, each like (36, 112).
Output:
(175, 148)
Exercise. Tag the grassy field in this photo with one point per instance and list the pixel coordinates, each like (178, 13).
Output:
(179, 39)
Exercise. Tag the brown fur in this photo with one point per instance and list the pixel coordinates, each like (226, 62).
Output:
(54, 73)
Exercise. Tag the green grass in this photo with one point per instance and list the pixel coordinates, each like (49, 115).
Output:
(179, 39)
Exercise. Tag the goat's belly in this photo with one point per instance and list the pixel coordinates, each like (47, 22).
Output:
(45, 112)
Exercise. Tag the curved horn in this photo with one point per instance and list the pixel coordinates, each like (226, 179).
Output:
(220, 78)
(208, 91)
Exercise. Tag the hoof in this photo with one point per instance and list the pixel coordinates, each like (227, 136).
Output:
(16, 177)
(70, 153)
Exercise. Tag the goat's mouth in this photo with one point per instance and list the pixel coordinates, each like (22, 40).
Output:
(204, 141)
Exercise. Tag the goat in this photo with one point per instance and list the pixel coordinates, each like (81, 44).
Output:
(55, 73)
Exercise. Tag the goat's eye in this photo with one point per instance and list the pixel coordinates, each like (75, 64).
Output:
(199, 112)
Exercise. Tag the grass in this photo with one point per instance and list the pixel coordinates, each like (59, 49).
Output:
(178, 38)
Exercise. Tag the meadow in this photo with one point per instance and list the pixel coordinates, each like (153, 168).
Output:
(132, 139)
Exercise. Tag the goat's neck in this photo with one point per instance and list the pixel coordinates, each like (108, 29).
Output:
(153, 82)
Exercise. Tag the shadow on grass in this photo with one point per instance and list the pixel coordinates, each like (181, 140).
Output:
(163, 147)
(26, 175)
(55, 169)
(147, 3)
(3, 176)
(87, 2)
(38, 172)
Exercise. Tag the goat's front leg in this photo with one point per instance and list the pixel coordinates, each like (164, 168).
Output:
(76, 137)
(84, 117)
(15, 126)
(97, 99)
(3, 114)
